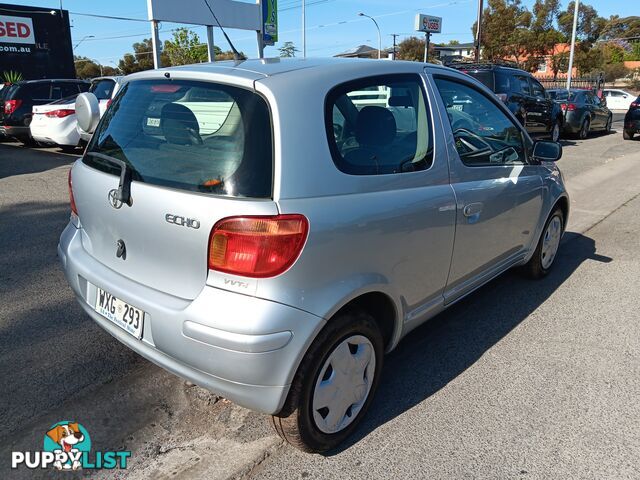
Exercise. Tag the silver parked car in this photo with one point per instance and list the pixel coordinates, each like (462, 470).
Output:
(269, 229)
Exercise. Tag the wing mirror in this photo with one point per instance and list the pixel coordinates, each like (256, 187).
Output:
(547, 151)
(87, 111)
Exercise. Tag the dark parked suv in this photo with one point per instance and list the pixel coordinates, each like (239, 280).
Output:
(524, 95)
(19, 99)
(632, 120)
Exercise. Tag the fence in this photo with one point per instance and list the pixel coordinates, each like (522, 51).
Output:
(595, 83)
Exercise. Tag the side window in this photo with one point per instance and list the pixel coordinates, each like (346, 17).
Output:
(483, 134)
(40, 91)
(379, 125)
(524, 85)
(102, 89)
(69, 89)
(537, 88)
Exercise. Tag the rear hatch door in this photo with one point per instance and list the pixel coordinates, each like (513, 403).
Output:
(197, 152)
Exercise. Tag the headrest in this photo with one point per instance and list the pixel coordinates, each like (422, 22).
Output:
(179, 124)
(375, 126)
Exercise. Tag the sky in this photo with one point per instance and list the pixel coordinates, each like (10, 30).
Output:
(333, 26)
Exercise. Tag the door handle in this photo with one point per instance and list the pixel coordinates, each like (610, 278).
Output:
(472, 209)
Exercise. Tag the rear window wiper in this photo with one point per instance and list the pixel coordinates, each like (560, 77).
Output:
(124, 188)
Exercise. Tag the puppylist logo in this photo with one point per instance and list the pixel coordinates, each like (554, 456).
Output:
(67, 446)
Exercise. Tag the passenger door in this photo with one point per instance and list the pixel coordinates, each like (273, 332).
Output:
(499, 195)
(538, 108)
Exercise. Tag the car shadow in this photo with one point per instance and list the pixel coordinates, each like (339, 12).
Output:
(31, 160)
(435, 354)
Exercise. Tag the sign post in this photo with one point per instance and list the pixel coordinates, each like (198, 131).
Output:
(428, 25)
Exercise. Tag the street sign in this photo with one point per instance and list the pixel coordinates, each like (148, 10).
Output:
(428, 23)
(270, 21)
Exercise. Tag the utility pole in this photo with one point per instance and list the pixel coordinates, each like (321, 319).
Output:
(394, 35)
(479, 31)
(427, 40)
(304, 29)
(573, 43)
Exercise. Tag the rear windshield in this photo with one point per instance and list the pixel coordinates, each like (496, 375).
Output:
(196, 136)
(102, 89)
(563, 95)
(497, 82)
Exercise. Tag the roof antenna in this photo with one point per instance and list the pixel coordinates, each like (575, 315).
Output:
(236, 55)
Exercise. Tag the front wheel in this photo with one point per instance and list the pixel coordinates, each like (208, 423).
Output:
(627, 134)
(607, 128)
(334, 384)
(547, 248)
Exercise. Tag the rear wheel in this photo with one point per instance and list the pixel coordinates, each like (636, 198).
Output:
(547, 248)
(584, 129)
(68, 148)
(334, 385)
(607, 128)
(627, 135)
(555, 131)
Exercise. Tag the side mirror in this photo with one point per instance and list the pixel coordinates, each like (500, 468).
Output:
(87, 112)
(547, 151)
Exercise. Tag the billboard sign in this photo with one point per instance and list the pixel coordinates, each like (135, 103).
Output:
(230, 13)
(428, 23)
(269, 21)
(16, 30)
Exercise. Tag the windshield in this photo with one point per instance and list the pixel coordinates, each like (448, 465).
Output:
(102, 89)
(563, 95)
(195, 136)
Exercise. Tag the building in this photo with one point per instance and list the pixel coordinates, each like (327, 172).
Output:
(361, 51)
(452, 53)
(35, 42)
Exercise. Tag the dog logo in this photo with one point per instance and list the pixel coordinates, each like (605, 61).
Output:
(67, 440)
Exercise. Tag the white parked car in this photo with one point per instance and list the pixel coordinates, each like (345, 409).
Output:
(55, 123)
(104, 88)
(619, 99)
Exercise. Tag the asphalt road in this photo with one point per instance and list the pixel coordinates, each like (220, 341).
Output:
(522, 379)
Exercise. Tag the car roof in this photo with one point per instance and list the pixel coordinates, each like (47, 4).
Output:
(49, 80)
(115, 78)
(258, 69)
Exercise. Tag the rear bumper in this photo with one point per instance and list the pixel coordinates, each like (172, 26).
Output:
(64, 134)
(253, 365)
(15, 132)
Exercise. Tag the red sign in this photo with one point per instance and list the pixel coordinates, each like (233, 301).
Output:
(16, 30)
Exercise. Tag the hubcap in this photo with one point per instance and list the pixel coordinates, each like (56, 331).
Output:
(551, 242)
(343, 384)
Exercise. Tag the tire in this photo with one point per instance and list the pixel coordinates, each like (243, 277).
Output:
(583, 134)
(68, 148)
(556, 130)
(627, 135)
(607, 128)
(539, 265)
(301, 423)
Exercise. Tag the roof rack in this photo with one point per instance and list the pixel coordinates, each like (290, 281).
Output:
(482, 65)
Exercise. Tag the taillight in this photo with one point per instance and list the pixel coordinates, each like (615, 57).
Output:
(109, 102)
(65, 112)
(72, 201)
(11, 106)
(635, 105)
(257, 246)
(571, 107)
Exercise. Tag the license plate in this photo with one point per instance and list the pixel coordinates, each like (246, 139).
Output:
(460, 108)
(153, 122)
(126, 316)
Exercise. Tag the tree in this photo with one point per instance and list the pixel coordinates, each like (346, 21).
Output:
(614, 71)
(590, 24)
(185, 48)
(559, 63)
(412, 48)
(87, 68)
(587, 59)
(141, 58)
(505, 30)
(288, 50)
(624, 27)
(453, 43)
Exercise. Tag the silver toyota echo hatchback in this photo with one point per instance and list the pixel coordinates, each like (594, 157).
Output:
(268, 229)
